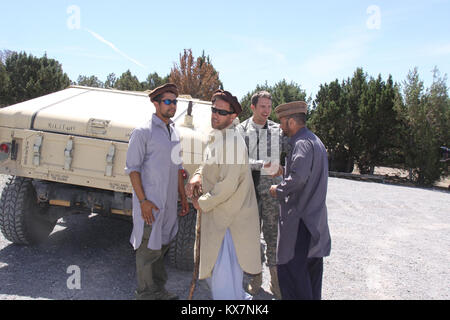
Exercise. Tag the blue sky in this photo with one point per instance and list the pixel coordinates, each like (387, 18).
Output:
(249, 42)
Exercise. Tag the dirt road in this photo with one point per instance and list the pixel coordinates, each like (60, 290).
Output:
(388, 242)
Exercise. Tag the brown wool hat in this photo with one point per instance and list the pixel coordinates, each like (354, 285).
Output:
(228, 97)
(168, 87)
(291, 108)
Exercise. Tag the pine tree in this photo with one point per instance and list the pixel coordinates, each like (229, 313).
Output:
(110, 81)
(128, 82)
(91, 81)
(153, 81)
(4, 85)
(31, 77)
(330, 123)
(426, 120)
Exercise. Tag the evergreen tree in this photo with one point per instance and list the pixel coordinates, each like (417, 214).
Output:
(153, 81)
(354, 91)
(4, 86)
(91, 81)
(378, 122)
(330, 122)
(31, 77)
(426, 122)
(110, 81)
(128, 82)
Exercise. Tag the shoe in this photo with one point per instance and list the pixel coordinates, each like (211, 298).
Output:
(254, 284)
(274, 285)
(165, 295)
(144, 296)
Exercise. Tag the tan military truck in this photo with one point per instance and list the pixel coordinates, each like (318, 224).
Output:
(65, 153)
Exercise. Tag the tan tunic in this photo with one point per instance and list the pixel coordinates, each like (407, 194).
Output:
(228, 201)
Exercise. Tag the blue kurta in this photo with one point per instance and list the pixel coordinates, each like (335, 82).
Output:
(302, 195)
(150, 153)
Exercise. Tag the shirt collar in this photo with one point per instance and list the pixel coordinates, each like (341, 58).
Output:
(299, 133)
(265, 126)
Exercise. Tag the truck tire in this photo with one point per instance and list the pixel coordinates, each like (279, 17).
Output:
(22, 220)
(181, 251)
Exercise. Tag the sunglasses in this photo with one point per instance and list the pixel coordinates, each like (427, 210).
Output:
(168, 102)
(221, 112)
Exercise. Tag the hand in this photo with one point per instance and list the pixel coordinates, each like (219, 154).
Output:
(279, 172)
(184, 207)
(273, 169)
(273, 191)
(194, 186)
(195, 204)
(147, 208)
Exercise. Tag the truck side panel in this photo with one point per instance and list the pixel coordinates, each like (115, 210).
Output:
(68, 159)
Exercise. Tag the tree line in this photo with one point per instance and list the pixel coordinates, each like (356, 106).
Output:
(362, 120)
(374, 122)
(24, 77)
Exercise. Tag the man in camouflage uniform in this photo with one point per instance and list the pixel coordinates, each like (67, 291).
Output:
(263, 138)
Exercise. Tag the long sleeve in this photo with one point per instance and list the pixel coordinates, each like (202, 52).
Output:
(223, 189)
(299, 171)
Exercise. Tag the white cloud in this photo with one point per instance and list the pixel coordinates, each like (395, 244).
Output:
(112, 46)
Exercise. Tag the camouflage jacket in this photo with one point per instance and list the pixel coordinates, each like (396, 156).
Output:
(264, 145)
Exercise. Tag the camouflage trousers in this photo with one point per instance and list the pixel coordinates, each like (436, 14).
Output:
(269, 209)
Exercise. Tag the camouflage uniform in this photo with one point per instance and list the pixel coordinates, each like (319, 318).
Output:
(269, 208)
(265, 144)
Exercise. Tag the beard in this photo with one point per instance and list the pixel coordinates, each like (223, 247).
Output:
(168, 113)
(219, 125)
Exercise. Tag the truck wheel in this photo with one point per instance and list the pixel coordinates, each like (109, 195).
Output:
(22, 221)
(181, 251)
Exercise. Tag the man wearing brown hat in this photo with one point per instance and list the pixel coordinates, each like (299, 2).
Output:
(156, 182)
(230, 230)
(304, 237)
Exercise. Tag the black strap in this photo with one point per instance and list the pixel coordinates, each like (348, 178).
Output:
(247, 142)
(168, 128)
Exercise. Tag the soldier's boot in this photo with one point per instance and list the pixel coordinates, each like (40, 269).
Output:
(254, 284)
(274, 285)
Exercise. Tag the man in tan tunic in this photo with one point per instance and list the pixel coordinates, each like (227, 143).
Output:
(230, 229)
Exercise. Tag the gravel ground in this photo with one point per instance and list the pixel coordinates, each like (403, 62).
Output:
(388, 242)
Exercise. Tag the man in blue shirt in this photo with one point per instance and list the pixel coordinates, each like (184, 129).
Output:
(304, 237)
(156, 181)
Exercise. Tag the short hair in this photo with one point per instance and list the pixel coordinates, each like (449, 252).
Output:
(260, 94)
(299, 118)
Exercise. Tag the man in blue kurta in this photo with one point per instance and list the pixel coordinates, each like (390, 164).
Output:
(303, 237)
(156, 179)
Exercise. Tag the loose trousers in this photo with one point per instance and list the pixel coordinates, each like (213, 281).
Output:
(227, 275)
(301, 278)
(150, 270)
